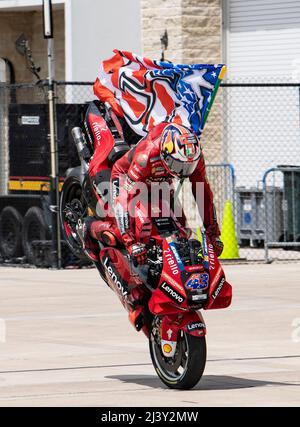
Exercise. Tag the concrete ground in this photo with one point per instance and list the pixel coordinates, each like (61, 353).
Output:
(65, 340)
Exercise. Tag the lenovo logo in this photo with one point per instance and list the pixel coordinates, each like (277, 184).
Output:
(171, 293)
(193, 326)
(114, 277)
(219, 288)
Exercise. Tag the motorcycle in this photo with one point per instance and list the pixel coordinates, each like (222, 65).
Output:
(181, 276)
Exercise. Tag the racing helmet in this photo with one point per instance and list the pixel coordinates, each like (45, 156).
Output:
(180, 150)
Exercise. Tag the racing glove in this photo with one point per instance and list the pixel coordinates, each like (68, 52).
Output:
(138, 252)
(215, 239)
(218, 246)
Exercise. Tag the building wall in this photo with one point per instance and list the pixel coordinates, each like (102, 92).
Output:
(39, 44)
(202, 31)
(195, 36)
(194, 29)
(12, 24)
(158, 16)
(94, 29)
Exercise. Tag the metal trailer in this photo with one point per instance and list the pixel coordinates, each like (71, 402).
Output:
(25, 212)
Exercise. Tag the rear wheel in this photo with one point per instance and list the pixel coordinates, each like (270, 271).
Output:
(11, 223)
(185, 369)
(72, 208)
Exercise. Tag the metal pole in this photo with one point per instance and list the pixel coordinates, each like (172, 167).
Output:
(54, 190)
(264, 180)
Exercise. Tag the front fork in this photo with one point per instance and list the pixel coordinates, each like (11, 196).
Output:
(191, 323)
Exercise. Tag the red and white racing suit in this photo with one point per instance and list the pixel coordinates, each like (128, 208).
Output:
(143, 164)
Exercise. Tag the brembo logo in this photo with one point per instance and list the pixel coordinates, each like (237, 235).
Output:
(170, 292)
(114, 277)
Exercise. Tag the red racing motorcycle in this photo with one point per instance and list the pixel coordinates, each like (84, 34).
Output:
(165, 295)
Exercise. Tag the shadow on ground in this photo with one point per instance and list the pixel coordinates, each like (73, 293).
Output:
(208, 382)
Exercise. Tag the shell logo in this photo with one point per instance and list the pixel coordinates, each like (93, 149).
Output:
(167, 348)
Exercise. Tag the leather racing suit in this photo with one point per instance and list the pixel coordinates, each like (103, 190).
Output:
(143, 164)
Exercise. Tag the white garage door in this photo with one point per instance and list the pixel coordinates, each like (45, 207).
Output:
(263, 37)
(263, 45)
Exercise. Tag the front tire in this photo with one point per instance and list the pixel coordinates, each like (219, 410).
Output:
(186, 368)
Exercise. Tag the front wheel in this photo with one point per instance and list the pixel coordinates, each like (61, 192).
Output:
(185, 369)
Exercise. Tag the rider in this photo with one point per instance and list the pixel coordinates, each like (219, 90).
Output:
(169, 150)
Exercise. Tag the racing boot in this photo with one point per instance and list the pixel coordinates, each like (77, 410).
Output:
(90, 246)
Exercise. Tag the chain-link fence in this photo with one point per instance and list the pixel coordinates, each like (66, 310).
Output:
(252, 129)
(255, 127)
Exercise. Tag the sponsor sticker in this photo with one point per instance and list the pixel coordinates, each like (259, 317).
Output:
(30, 120)
(155, 159)
(218, 289)
(158, 171)
(126, 220)
(171, 293)
(176, 255)
(194, 326)
(167, 348)
(115, 188)
(133, 175)
(142, 160)
(172, 282)
(129, 184)
(198, 281)
(113, 276)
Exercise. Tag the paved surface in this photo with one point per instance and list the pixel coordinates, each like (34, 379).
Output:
(68, 343)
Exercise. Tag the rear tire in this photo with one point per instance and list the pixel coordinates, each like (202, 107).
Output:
(11, 223)
(71, 191)
(186, 368)
(34, 228)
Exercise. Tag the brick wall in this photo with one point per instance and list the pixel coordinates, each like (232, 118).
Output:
(195, 36)
(202, 43)
(158, 16)
(194, 29)
(202, 31)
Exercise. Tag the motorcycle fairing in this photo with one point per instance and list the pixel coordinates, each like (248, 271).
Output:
(117, 271)
(190, 322)
(169, 296)
(104, 140)
(220, 291)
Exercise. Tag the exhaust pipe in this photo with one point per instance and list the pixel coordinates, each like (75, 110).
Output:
(82, 149)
